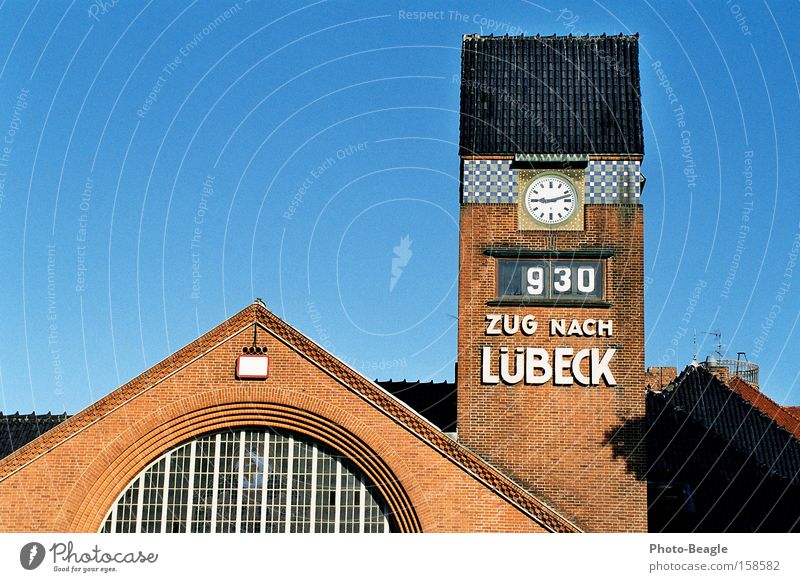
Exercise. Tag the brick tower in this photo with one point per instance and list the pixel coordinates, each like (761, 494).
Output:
(551, 306)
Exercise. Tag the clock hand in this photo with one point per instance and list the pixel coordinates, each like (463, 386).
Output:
(548, 200)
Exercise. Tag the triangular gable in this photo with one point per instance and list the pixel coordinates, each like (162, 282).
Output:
(382, 400)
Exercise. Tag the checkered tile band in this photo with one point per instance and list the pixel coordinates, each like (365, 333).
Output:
(606, 182)
(612, 182)
(489, 182)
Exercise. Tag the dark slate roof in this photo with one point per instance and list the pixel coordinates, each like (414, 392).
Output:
(550, 95)
(435, 401)
(17, 430)
(704, 400)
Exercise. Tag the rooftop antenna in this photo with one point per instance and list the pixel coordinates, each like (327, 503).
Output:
(717, 334)
(694, 363)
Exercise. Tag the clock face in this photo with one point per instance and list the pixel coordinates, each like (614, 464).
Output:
(551, 199)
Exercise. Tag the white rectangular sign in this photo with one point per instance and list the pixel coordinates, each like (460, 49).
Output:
(252, 367)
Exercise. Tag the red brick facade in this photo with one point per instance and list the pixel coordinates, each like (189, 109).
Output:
(570, 445)
(68, 479)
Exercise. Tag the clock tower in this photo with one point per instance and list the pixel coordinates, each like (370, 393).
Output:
(551, 333)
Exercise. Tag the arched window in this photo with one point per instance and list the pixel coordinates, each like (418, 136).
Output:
(250, 480)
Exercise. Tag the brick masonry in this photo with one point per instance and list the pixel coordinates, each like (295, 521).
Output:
(68, 479)
(658, 377)
(580, 449)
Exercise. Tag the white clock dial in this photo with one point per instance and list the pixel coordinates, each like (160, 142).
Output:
(551, 199)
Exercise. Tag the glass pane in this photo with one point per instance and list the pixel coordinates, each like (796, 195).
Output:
(178, 494)
(127, 507)
(203, 484)
(275, 505)
(509, 278)
(326, 493)
(301, 487)
(228, 482)
(252, 481)
(350, 503)
(152, 500)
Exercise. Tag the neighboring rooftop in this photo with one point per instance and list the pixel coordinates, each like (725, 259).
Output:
(784, 416)
(436, 401)
(550, 95)
(17, 430)
(716, 461)
(723, 412)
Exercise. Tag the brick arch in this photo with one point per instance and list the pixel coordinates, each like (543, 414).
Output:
(131, 451)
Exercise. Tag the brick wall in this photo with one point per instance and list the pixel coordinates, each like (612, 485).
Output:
(573, 446)
(658, 377)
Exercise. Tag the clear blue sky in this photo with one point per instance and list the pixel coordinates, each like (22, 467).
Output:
(164, 163)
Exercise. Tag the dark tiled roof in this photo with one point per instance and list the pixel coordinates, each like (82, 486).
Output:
(436, 401)
(709, 402)
(716, 463)
(17, 430)
(553, 95)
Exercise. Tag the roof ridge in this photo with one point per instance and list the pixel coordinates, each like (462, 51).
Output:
(740, 386)
(33, 413)
(554, 36)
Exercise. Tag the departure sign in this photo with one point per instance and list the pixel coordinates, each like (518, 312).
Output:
(550, 279)
(535, 365)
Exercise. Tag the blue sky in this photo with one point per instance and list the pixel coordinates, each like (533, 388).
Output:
(164, 163)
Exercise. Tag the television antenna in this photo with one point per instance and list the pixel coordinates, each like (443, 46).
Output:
(718, 335)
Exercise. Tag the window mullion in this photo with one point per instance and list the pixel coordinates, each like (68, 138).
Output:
(289, 471)
(337, 499)
(140, 504)
(240, 484)
(313, 511)
(264, 482)
(190, 493)
(215, 484)
(362, 507)
(165, 493)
